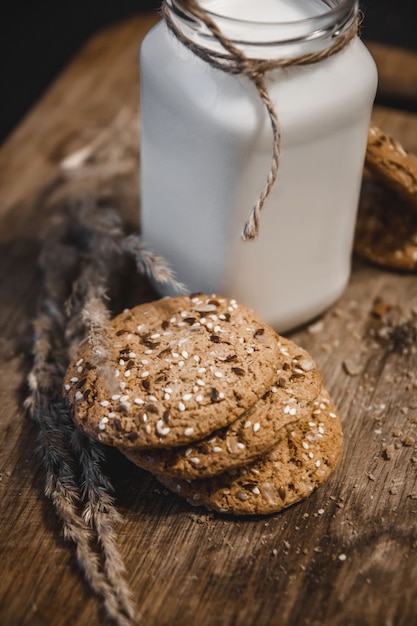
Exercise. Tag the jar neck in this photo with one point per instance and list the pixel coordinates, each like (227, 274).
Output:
(281, 28)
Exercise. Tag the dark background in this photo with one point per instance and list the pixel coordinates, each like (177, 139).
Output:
(37, 39)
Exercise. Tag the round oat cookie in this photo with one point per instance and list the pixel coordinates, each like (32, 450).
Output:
(301, 461)
(298, 383)
(386, 229)
(393, 166)
(176, 369)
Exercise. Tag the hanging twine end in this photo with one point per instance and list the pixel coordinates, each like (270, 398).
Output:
(251, 228)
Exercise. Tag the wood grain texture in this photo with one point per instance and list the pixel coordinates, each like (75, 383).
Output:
(347, 556)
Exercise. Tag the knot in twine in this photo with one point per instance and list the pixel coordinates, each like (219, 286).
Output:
(234, 61)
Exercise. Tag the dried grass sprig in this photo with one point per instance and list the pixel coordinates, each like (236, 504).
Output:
(99, 512)
(73, 305)
(83, 254)
(150, 264)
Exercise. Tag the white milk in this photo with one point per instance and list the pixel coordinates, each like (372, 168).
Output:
(206, 152)
(264, 10)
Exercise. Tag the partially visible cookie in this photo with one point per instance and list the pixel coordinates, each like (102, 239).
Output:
(386, 229)
(301, 461)
(298, 383)
(175, 370)
(396, 168)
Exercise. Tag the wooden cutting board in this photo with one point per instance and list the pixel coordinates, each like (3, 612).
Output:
(346, 556)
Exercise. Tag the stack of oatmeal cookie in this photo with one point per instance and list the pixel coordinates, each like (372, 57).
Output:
(200, 392)
(386, 229)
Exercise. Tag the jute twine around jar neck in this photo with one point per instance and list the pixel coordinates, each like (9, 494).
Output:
(234, 61)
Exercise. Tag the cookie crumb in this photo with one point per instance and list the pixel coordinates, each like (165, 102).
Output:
(352, 367)
(316, 328)
(388, 452)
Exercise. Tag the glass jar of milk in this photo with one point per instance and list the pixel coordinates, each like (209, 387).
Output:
(206, 149)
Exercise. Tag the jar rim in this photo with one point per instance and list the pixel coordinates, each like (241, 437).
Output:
(335, 7)
(313, 32)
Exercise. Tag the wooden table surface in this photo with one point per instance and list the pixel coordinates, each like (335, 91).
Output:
(347, 555)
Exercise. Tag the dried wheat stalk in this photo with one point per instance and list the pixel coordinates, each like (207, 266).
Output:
(81, 255)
